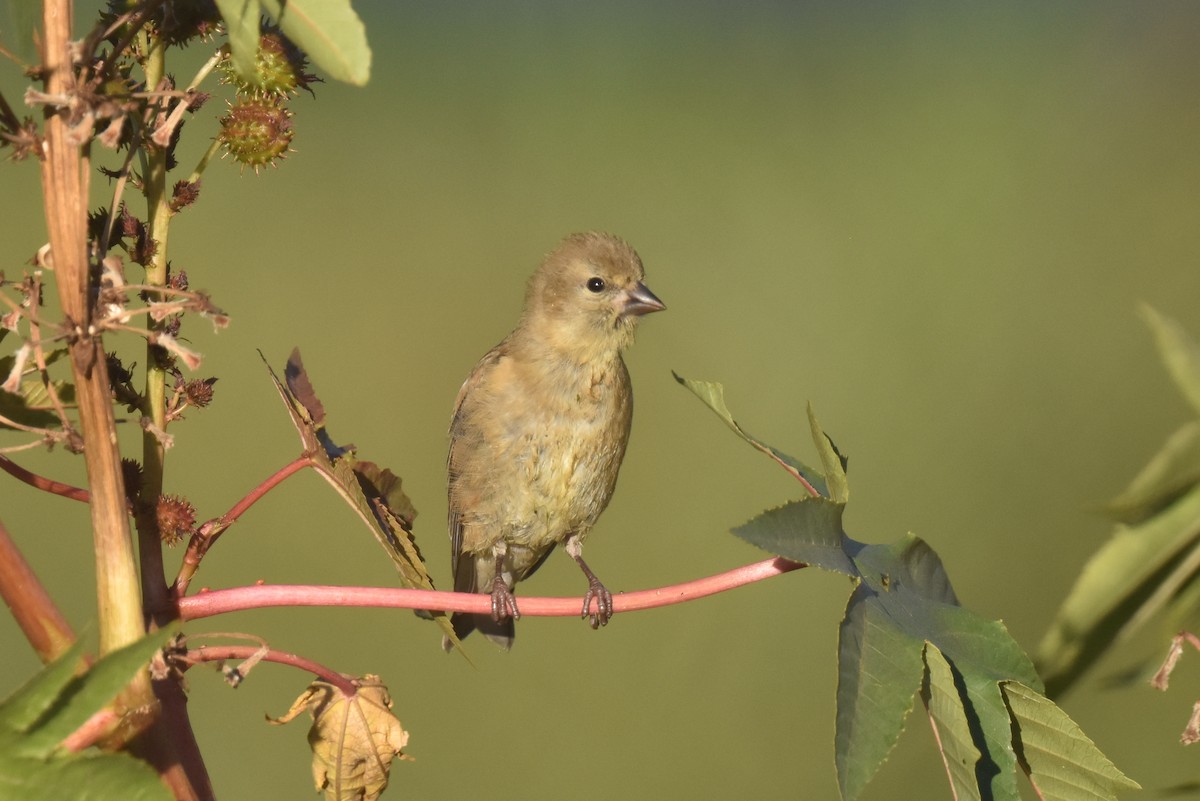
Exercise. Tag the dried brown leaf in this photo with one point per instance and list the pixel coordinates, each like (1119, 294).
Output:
(353, 738)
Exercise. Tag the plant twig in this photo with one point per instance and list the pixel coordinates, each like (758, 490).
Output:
(218, 602)
(208, 533)
(43, 483)
(217, 653)
(74, 441)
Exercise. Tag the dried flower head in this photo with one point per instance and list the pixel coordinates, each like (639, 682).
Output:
(176, 518)
(199, 392)
(184, 194)
(131, 470)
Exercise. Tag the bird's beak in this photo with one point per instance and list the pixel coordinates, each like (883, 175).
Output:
(640, 300)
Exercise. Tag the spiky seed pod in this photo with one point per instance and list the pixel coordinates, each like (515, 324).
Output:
(278, 68)
(257, 130)
(199, 392)
(176, 517)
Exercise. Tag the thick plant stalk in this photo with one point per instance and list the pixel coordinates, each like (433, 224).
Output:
(36, 613)
(154, 588)
(65, 193)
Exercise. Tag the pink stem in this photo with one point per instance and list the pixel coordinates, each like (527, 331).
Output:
(217, 653)
(217, 602)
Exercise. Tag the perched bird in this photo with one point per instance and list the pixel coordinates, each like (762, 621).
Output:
(540, 428)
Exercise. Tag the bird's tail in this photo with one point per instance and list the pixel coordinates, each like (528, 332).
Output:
(502, 633)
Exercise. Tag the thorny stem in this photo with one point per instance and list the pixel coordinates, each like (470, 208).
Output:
(218, 602)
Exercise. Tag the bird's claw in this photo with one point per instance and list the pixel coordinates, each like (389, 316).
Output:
(504, 603)
(604, 604)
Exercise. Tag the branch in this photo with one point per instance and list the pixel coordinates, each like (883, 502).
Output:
(218, 602)
(208, 533)
(219, 653)
(42, 483)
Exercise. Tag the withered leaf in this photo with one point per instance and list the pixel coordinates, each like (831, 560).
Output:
(353, 738)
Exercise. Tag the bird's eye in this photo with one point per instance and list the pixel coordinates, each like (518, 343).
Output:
(595, 284)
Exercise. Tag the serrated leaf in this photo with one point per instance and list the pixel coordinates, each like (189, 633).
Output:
(1179, 353)
(808, 531)
(242, 26)
(943, 702)
(832, 461)
(1131, 578)
(909, 564)
(713, 396)
(354, 738)
(879, 672)
(329, 32)
(91, 776)
(87, 694)
(910, 603)
(1170, 473)
(1064, 765)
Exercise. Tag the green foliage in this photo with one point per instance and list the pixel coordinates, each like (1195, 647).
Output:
(36, 718)
(328, 31)
(31, 405)
(1150, 566)
(1061, 761)
(904, 633)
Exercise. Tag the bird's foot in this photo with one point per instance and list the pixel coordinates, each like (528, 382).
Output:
(604, 603)
(504, 603)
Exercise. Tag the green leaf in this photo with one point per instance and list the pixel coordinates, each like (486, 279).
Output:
(1170, 473)
(22, 709)
(242, 25)
(951, 728)
(1131, 578)
(329, 32)
(1179, 353)
(92, 776)
(31, 406)
(879, 671)
(1063, 764)
(808, 531)
(903, 632)
(713, 396)
(374, 493)
(86, 695)
(831, 459)
(906, 583)
(908, 564)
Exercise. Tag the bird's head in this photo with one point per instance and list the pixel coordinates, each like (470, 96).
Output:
(588, 296)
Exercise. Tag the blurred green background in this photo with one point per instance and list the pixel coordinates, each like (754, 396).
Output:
(934, 221)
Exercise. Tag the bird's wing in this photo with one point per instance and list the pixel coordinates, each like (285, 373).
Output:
(464, 578)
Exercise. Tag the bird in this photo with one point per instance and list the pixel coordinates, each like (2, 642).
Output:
(539, 430)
